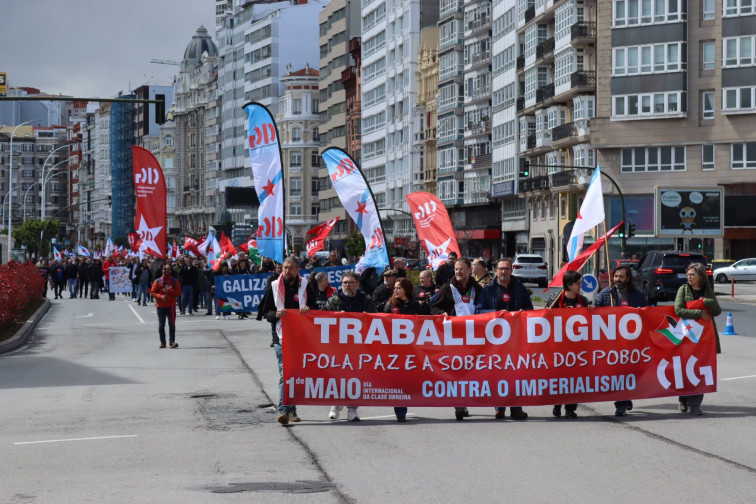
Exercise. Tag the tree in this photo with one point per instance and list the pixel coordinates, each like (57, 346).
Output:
(355, 245)
(35, 235)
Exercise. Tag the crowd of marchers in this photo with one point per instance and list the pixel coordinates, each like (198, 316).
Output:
(461, 287)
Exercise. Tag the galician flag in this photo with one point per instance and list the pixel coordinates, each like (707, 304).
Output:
(677, 330)
(109, 248)
(590, 215)
(82, 251)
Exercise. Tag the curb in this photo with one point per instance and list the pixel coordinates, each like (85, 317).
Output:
(22, 335)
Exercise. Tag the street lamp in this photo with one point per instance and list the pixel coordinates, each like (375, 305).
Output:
(43, 174)
(50, 174)
(10, 182)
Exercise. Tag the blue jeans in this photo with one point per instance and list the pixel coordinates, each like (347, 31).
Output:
(141, 296)
(281, 407)
(73, 286)
(168, 314)
(187, 298)
(209, 301)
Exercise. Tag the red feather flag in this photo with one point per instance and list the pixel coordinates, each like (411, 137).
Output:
(150, 219)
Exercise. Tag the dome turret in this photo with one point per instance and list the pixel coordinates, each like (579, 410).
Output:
(201, 42)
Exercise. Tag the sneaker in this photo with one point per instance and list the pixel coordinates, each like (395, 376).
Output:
(629, 405)
(352, 414)
(173, 345)
(620, 411)
(136, 300)
(226, 317)
(191, 314)
(466, 412)
(459, 414)
(162, 345)
(208, 313)
(283, 418)
(293, 417)
(401, 419)
(217, 317)
(557, 411)
(683, 406)
(499, 414)
(696, 410)
(334, 413)
(518, 415)
(570, 413)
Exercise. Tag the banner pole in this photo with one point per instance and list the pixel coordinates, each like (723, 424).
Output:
(608, 269)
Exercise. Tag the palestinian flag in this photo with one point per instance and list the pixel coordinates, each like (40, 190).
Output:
(229, 304)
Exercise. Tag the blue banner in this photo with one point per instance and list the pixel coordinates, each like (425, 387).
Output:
(243, 293)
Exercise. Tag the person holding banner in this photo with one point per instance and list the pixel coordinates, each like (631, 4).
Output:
(458, 297)
(696, 300)
(622, 293)
(505, 293)
(383, 292)
(289, 292)
(165, 290)
(568, 297)
(349, 299)
(323, 290)
(402, 303)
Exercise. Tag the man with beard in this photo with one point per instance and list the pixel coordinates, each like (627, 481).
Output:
(456, 298)
(622, 293)
(289, 292)
(508, 294)
(349, 299)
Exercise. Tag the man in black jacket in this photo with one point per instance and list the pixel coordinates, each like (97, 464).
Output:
(383, 292)
(445, 272)
(505, 293)
(289, 292)
(188, 281)
(84, 278)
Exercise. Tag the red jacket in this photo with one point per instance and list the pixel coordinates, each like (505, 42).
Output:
(106, 267)
(165, 299)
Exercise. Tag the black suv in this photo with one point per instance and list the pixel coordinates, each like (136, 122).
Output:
(660, 273)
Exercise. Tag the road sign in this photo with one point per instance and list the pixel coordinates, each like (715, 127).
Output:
(589, 284)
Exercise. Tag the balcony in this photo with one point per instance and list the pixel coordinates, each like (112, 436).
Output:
(478, 127)
(583, 78)
(545, 49)
(478, 25)
(570, 180)
(450, 8)
(520, 63)
(531, 142)
(563, 131)
(478, 60)
(583, 34)
(520, 104)
(481, 162)
(545, 92)
(481, 92)
(477, 197)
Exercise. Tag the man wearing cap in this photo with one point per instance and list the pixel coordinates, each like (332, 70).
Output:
(383, 292)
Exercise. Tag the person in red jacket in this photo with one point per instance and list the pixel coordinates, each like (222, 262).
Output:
(165, 290)
(110, 262)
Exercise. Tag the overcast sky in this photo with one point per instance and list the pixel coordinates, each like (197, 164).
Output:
(91, 48)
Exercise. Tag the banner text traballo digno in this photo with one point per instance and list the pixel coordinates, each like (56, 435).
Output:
(496, 359)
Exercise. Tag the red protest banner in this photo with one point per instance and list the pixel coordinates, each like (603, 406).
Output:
(539, 357)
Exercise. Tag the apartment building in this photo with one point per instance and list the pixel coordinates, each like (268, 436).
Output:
(675, 108)
(298, 121)
(425, 111)
(390, 53)
(339, 30)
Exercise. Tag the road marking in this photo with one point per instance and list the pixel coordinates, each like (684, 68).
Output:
(135, 313)
(739, 378)
(74, 439)
(86, 316)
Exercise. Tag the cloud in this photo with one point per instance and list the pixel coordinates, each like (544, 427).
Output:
(92, 48)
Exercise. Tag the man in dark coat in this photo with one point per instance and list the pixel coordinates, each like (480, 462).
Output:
(445, 272)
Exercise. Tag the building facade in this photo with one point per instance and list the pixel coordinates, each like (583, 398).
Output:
(427, 88)
(298, 121)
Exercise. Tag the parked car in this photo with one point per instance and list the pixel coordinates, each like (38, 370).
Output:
(531, 268)
(743, 270)
(660, 273)
(604, 276)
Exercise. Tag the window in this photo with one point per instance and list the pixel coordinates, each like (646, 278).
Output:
(738, 51)
(737, 7)
(708, 55)
(707, 157)
(295, 186)
(707, 11)
(743, 156)
(653, 159)
(644, 12)
(297, 106)
(656, 58)
(671, 103)
(295, 159)
(296, 210)
(707, 105)
(738, 100)
(296, 134)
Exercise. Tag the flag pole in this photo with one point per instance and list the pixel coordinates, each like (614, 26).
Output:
(608, 269)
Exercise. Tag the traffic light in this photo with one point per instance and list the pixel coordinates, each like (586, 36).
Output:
(524, 167)
(630, 230)
(621, 231)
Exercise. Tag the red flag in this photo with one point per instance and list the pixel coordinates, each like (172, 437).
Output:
(434, 228)
(227, 248)
(174, 250)
(319, 234)
(251, 243)
(578, 262)
(150, 219)
(134, 242)
(190, 245)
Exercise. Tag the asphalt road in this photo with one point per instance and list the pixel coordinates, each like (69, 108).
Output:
(93, 411)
